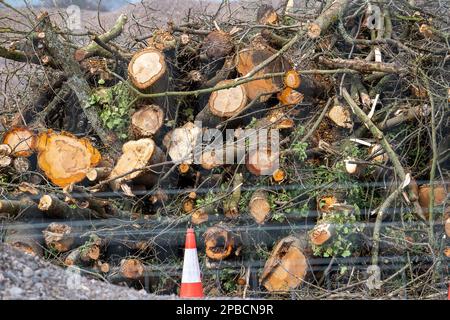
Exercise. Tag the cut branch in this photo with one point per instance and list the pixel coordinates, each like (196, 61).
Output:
(362, 65)
(378, 134)
(93, 48)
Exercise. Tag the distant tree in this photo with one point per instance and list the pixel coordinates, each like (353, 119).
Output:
(83, 4)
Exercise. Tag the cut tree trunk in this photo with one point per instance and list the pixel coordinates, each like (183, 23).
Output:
(149, 73)
(136, 156)
(287, 266)
(223, 104)
(262, 161)
(231, 205)
(217, 44)
(248, 59)
(181, 143)
(64, 158)
(147, 121)
(279, 175)
(289, 97)
(189, 203)
(86, 254)
(259, 206)
(21, 165)
(292, 79)
(325, 203)
(219, 242)
(5, 161)
(147, 68)
(21, 140)
(56, 208)
(14, 208)
(24, 237)
(321, 233)
(341, 116)
(211, 159)
(5, 152)
(59, 237)
(440, 196)
(132, 269)
(202, 214)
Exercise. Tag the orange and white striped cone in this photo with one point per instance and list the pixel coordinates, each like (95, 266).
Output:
(191, 282)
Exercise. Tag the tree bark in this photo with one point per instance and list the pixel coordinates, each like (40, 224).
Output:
(56, 208)
(327, 18)
(64, 56)
(231, 205)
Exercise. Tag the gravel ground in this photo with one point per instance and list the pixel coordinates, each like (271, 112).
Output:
(30, 278)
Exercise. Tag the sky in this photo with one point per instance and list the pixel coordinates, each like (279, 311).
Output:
(112, 4)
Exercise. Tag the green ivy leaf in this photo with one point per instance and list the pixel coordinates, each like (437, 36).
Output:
(346, 253)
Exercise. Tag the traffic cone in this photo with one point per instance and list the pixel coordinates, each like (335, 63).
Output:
(191, 282)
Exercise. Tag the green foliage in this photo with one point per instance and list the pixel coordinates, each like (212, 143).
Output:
(287, 196)
(278, 216)
(228, 280)
(114, 105)
(350, 149)
(300, 150)
(189, 114)
(341, 245)
(252, 123)
(262, 251)
(209, 199)
(3, 178)
(338, 179)
(51, 253)
(245, 199)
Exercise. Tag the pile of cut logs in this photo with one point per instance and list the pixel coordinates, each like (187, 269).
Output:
(319, 90)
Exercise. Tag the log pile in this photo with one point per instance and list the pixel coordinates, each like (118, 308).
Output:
(307, 146)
